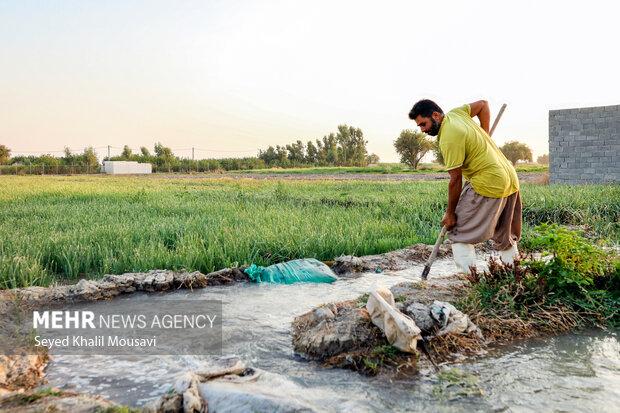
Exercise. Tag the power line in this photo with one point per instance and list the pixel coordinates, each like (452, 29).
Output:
(134, 149)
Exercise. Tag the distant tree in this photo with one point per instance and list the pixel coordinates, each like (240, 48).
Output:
(89, 157)
(69, 158)
(311, 153)
(162, 151)
(359, 146)
(165, 157)
(516, 151)
(281, 156)
(126, 154)
(296, 152)
(269, 156)
(48, 159)
(321, 154)
(412, 146)
(23, 160)
(330, 149)
(5, 155)
(437, 152)
(372, 159)
(145, 151)
(351, 146)
(543, 159)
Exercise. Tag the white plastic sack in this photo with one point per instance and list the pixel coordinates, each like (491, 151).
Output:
(399, 329)
(451, 320)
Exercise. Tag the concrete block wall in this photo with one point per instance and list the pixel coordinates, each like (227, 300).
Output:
(584, 145)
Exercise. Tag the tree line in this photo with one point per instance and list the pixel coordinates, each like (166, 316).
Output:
(347, 147)
(86, 158)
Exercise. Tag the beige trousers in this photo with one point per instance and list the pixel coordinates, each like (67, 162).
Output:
(480, 219)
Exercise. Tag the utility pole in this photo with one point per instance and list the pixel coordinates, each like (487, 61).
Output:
(108, 151)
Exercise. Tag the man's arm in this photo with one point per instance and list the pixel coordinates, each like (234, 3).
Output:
(482, 110)
(454, 192)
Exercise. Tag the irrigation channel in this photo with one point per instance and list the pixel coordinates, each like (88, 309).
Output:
(579, 371)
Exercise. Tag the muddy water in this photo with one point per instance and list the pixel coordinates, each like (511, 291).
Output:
(566, 373)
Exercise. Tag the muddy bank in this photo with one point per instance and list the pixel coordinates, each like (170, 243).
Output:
(392, 261)
(111, 286)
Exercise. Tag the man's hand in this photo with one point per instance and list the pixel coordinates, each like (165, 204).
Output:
(449, 220)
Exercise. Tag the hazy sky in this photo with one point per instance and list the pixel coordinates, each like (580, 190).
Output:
(235, 76)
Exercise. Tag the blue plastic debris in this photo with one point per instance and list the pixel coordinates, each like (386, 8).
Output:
(303, 270)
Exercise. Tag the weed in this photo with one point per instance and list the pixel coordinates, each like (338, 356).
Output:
(34, 396)
(372, 366)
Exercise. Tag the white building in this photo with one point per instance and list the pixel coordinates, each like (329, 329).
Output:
(126, 167)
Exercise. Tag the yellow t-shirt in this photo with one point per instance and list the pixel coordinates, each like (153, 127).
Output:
(464, 143)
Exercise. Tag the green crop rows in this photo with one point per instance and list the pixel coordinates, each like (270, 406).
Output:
(55, 228)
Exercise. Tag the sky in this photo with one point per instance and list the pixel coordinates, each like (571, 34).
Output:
(231, 77)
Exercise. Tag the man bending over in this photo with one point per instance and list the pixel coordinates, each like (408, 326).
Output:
(488, 205)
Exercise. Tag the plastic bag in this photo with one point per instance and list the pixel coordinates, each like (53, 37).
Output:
(399, 329)
(451, 320)
(303, 270)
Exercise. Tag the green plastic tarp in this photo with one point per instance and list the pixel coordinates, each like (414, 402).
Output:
(303, 270)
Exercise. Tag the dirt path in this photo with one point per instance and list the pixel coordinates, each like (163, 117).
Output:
(430, 176)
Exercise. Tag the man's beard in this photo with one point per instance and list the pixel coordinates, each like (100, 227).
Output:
(434, 130)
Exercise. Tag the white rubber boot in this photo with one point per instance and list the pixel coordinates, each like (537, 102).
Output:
(509, 255)
(464, 257)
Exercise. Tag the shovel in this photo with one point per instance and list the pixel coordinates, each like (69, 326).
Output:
(442, 234)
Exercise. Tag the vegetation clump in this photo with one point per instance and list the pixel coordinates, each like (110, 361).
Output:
(573, 284)
(36, 395)
(453, 384)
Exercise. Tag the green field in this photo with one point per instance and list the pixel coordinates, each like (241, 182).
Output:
(71, 227)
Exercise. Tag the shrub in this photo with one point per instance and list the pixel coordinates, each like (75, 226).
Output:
(573, 283)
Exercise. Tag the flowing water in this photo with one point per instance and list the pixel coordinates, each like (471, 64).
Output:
(565, 373)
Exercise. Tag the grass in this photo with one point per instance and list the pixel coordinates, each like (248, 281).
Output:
(57, 228)
(36, 395)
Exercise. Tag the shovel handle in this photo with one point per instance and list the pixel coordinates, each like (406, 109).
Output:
(499, 115)
(437, 244)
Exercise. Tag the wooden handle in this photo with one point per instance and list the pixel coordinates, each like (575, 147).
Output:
(499, 115)
(437, 244)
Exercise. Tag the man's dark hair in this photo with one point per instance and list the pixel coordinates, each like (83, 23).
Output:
(424, 108)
